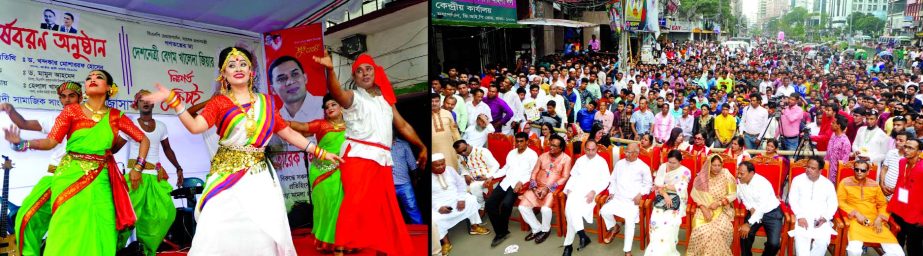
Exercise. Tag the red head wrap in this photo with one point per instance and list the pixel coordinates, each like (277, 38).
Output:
(381, 79)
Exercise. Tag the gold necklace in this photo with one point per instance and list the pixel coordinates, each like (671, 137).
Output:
(338, 125)
(97, 114)
(251, 121)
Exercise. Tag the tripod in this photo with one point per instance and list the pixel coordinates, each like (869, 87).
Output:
(803, 141)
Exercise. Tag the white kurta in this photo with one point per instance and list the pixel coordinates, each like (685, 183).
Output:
(512, 99)
(875, 143)
(368, 119)
(475, 111)
(518, 168)
(449, 195)
(812, 200)
(588, 174)
(628, 180)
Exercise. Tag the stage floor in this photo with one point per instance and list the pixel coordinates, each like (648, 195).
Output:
(304, 242)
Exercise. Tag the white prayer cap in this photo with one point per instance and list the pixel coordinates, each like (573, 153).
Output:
(438, 156)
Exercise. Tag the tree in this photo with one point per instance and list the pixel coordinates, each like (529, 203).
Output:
(866, 23)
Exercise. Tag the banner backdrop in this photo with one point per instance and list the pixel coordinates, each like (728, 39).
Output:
(298, 85)
(43, 45)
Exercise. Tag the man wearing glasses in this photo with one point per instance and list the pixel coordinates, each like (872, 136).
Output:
(548, 176)
(628, 183)
(866, 211)
(519, 165)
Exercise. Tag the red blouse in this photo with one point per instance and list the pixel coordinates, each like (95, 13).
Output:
(217, 108)
(321, 127)
(72, 119)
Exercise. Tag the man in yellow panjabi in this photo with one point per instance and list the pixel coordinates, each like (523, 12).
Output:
(866, 211)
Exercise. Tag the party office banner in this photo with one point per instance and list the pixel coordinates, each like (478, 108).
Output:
(474, 12)
(297, 83)
(43, 45)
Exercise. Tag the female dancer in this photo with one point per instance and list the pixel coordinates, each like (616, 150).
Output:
(242, 211)
(326, 187)
(370, 216)
(87, 186)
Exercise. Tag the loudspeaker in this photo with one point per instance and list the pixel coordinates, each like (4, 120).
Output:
(353, 45)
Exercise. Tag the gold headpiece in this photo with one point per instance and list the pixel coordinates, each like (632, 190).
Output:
(234, 52)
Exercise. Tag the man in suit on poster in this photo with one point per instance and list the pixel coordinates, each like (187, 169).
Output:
(68, 26)
(49, 20)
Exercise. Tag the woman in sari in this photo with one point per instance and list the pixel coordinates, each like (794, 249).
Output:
(89, 195)
(772, 147)
(738, 150)
(672, 180)
(326, 188)
(242, 211)
(713, 190)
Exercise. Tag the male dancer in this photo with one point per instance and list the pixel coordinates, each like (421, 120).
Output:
(151, 200)
(370, 216)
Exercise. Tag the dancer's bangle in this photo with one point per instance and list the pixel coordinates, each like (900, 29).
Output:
(141, 161)
(174, 103)
(181, 111)
(22, 146)
(171, 97)
(306, 147)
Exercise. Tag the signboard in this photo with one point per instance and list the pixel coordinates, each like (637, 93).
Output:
(474, 12)
(680, 26)
(635, 13)
(297, 84)
(43, 45)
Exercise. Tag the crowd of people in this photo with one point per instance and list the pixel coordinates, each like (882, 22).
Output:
(703, 98)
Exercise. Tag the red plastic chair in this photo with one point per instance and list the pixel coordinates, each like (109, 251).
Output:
(771, 169)
(500, 145)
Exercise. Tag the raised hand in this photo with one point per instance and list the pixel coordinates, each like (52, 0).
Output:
(325, 61)
(12, 134)
(157, 96)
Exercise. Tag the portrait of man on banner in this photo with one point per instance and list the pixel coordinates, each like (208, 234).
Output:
(50, 20)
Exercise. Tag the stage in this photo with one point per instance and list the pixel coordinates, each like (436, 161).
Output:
(304, 242)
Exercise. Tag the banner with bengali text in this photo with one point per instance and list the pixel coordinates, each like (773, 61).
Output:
(474, 12)
(43, 45)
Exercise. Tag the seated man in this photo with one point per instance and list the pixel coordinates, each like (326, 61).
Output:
(451, 202)
(587, 179)
(757, 195)
(814, 201)
(628, 183)
(517, 171)
(550, 174)
(866, 210)
(478, 166)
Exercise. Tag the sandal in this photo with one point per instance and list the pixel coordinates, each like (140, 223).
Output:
(616, 230)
